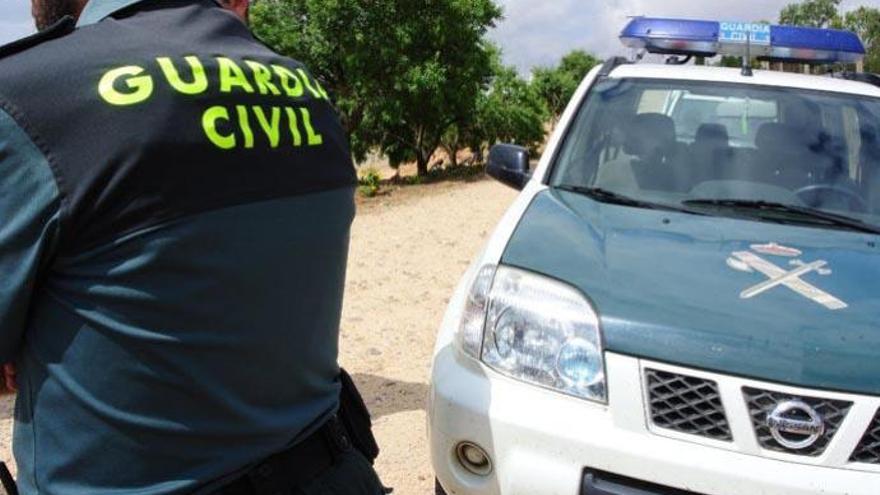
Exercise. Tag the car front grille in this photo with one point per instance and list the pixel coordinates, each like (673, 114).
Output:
(868, 451)
(762, 402)
(687, 404)
(737, 414)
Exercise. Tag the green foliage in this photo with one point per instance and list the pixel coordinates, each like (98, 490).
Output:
(813, 13)
(511, 111)
(730, 61)
(866, 22)
(556, 85)
(370, 183)
(455, 137)
(444, 67)
(401, 73)
(410, 75)
(328, 36)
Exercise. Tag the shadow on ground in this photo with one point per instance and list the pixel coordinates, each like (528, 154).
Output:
(385, 396)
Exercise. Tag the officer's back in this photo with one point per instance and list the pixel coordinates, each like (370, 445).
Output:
(181, 201)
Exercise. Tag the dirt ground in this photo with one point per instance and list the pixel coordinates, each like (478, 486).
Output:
(408, 252)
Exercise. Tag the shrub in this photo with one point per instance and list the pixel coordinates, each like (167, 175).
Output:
(370, 183)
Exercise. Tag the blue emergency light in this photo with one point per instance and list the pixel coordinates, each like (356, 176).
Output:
(710, 38)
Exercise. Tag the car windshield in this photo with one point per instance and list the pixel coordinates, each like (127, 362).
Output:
(727, 149)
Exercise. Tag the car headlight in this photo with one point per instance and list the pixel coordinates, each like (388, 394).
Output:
(534, 329)
(473, 320)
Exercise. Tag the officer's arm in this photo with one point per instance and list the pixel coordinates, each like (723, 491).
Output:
(29, 213)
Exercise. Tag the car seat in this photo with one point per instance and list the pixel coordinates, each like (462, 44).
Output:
(657, 163)
(710, 153)
(791, 157)
(869, 156)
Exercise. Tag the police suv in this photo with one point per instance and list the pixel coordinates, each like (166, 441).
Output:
(685, 298)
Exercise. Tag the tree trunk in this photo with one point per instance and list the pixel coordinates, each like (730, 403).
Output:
(422, 164)
(453, 156)
(479, 155)
(422, 158)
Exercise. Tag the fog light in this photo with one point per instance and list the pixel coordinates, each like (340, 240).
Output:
(474, 459)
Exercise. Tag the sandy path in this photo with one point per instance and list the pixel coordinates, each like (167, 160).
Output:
(407, 258)
(408, 252)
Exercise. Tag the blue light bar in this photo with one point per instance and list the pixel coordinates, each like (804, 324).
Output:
(672, 37)
(822, 45)
(710, 38)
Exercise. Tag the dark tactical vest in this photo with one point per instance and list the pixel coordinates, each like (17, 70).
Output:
(169, 109)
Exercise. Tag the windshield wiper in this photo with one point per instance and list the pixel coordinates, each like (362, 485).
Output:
(801, 213)
(606, 196)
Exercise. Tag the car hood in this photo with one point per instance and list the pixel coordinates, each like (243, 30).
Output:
(669, 287)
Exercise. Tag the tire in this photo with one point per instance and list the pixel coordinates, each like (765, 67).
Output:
(438, 490)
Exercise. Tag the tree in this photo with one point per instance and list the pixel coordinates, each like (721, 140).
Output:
(511, 111)
(401, 74)
(811, 13)
(448, 65)
(322, 35)
(454, 140)
(553, 87)
(866, 22)
(557, 85)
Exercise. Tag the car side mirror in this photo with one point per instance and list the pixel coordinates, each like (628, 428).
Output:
(509, 165)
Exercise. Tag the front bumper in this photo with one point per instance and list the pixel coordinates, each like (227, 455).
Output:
(542, 442)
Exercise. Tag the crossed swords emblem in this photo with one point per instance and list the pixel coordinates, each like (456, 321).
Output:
(750, 262)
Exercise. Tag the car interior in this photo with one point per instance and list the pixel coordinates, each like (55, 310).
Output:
(810, 153)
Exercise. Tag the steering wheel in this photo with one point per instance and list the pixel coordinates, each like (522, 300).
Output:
(856, 201)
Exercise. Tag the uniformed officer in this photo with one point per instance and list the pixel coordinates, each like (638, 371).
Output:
(175, 205)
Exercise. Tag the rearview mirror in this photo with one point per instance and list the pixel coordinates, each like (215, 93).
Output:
(509, 165)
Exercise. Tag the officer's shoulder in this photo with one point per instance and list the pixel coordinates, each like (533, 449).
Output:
(60, 29)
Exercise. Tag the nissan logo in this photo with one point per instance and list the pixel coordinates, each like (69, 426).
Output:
(795, 425)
